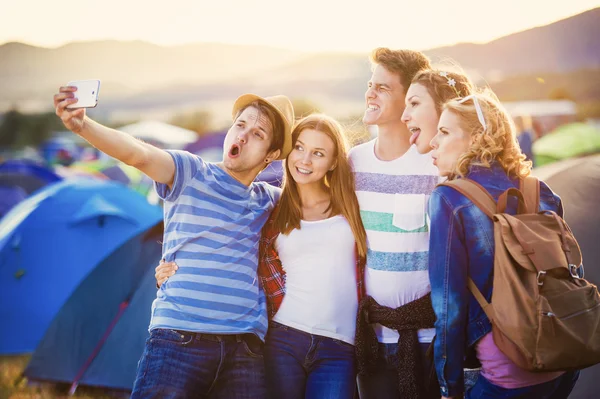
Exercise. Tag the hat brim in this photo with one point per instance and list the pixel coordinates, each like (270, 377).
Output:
(246, 99)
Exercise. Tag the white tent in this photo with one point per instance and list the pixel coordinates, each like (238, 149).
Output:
(541, 108)
(161, 134)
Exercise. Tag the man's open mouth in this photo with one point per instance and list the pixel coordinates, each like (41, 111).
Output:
(372, 108)
(234, 151)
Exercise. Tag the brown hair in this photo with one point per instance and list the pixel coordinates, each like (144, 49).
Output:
(439, 88)
(340, 182)
(497, 142)
(404, 63)
(275, 120)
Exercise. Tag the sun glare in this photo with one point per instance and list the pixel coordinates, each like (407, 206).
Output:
(313, 25)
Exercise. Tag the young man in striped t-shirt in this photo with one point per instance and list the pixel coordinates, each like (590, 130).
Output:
(393, 183)
(209, 320)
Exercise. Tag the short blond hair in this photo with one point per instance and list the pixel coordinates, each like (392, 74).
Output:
(497, 142)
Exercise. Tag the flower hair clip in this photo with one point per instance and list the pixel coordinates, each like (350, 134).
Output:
(451, 83)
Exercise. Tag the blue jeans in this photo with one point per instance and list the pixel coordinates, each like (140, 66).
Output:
(383, 382)
(180, 364)
(559, 388)
(302, 365)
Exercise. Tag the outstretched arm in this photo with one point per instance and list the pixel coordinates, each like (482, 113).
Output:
(152, 161)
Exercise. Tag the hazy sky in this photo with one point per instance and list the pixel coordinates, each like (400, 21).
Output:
(314, 25)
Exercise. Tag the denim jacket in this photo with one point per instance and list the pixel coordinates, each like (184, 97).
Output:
(461, 246)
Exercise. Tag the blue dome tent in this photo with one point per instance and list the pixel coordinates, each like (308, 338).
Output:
(51, 241)
(98, 336)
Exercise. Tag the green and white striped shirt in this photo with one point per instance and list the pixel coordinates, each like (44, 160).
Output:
(393, 199)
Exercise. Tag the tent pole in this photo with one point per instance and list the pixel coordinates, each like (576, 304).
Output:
(98, 347)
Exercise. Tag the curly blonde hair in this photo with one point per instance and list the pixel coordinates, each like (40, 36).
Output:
(497, 142)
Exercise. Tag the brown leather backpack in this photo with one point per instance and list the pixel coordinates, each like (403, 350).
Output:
(545, 316)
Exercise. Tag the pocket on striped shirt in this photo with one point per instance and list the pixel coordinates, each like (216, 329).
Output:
(409, 211)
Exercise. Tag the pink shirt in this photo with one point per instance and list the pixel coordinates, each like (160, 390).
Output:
(498, 369)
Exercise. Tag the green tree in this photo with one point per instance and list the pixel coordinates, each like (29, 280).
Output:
(19, 130)
(11, 124)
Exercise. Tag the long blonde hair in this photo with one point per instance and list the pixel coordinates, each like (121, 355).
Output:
(497, 142)
(340, 182)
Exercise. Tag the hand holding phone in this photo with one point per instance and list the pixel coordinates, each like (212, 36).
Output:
(86, 94)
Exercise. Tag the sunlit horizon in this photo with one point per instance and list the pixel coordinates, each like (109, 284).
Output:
(315, 25)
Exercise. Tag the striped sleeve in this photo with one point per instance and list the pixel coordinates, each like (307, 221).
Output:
(187, 166)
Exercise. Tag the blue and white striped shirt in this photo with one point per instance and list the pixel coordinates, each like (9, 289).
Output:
(212, 230)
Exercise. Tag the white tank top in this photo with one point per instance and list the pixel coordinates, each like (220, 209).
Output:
(320, 265)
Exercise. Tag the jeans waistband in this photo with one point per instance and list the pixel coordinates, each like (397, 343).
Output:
(222, 337)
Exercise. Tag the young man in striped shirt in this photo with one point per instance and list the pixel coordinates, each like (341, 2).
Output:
(209, 320)
(393, 184)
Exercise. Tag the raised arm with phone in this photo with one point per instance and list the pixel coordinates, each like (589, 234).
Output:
(150, 160)
(209, 320)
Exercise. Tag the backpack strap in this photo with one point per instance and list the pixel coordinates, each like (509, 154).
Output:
(476, 193)
(484, 201)
(503, 201)
(485, 305)
(530, 187)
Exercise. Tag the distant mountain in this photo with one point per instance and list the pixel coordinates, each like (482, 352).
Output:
(141, 76)
(557, 51)
(563, 46)
(128, 67)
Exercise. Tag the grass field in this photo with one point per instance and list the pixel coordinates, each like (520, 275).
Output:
(10, 369)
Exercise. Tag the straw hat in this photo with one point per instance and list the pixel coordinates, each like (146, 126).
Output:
(282, 105)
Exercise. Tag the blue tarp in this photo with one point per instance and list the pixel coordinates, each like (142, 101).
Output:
(56, 148)
(51, 241)
(208, 142)
(272, 174)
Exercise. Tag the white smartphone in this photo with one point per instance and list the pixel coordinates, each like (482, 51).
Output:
(86, 94)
